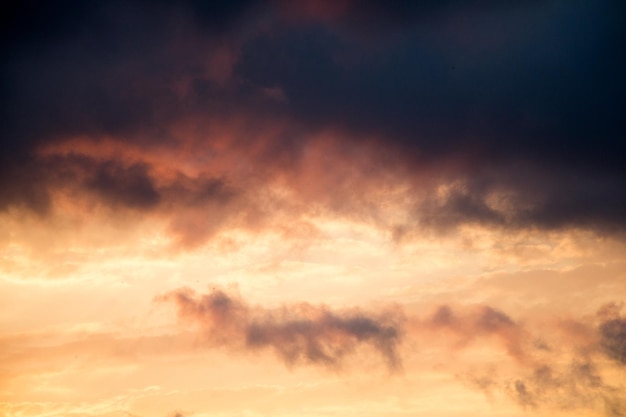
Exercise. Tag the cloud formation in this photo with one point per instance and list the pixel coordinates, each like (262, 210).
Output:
(491, 125)
(297, 334)
(570, 386)
(613, 339)
(569, 372)
(561, 366)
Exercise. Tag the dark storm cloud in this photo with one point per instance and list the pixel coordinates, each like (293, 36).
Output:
(296, 333)
(480, 82)
(103, 69)
(22, 185)
(134, 185)
(36, 21)
(130, 186)
(89, 67)
(546, 101)
(375, 17)
(518, 196)
(194, 208)
(531, 84)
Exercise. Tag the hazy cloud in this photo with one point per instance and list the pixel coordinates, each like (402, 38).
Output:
(297, 333)
(613, 339)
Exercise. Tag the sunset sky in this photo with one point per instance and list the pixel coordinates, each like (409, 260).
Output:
(313, 208)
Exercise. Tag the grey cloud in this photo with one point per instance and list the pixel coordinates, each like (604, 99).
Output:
(556, 385)
(566, 376)
(613, 339)
(130, 186)
(297, 334)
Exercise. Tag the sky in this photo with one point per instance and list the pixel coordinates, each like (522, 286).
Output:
(313, 208)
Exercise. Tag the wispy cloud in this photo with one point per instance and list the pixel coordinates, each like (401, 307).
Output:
(299, 333)
(560, 366)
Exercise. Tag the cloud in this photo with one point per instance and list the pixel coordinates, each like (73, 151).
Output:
(613, 339)
(520, 128)
(562, 385)
(476, 324)
(296, 333)
(521, 196)
(316, 334)
(612, 331)
(560, 366)
(368, 17)
(130, 182)
(539, 364)
(569, 372)
(427, 93)
(523, 128)
(130, 186)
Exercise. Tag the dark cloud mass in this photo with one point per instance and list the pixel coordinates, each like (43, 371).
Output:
(129, 186)
(528, 95)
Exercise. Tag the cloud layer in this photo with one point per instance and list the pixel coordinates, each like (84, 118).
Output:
(411, 145)
(491, 124)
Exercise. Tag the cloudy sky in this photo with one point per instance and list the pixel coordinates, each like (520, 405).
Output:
(313, 208)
